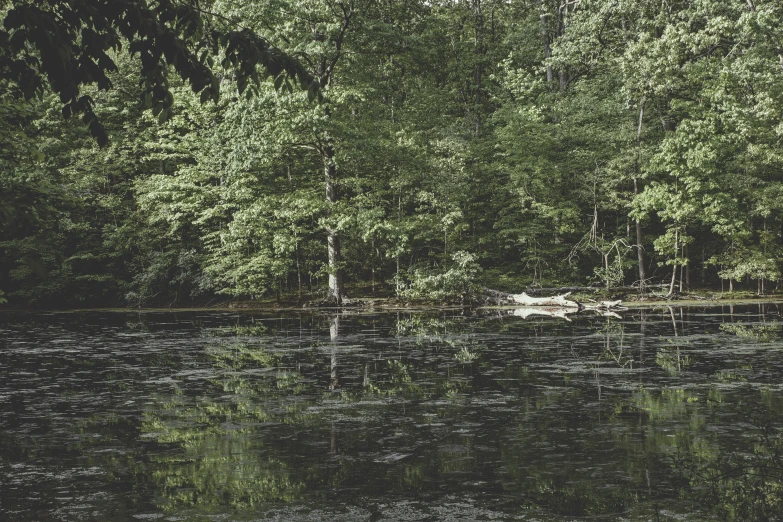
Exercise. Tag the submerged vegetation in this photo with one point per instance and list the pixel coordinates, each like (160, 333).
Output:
(411, 149)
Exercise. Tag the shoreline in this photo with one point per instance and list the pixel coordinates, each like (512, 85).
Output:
(385, 305)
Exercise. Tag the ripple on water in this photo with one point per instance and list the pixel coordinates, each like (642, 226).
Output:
(216, 416)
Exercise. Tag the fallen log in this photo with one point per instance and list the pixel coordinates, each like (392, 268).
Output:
(557, 301)
(501, 298)
(527, 311)
(553, 302)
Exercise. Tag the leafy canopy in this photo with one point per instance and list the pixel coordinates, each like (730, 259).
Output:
(73, 44)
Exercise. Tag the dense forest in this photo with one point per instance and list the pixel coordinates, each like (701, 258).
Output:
(395, 147)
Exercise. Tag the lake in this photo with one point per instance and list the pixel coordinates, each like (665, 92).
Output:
(657, 414)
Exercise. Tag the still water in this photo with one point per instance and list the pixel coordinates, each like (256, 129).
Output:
(660, 414)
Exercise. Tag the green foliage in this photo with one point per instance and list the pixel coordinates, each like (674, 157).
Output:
(455, 281)
(759, 332)
(73, 45)
(464, 142)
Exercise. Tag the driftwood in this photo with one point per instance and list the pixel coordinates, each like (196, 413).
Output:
(557, 301)
(547, 305)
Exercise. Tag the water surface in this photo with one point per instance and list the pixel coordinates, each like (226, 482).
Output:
(656, 415)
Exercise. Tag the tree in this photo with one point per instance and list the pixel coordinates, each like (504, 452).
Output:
(74, 44)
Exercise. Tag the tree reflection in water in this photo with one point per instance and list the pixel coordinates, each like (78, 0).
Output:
(539, 418)
(400, 406)
(739, 474)
(216, 457)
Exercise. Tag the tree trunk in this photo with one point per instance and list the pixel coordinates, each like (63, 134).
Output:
(674, 267)
(397, 286)
(325, 73)
(682, 267)
(478, 71)
(298, 273)
(372, 263)
(682, 276)
(547, 49)
(562, 16)
(640, 250)
(564, 79)
(639, 237)
(335, 293)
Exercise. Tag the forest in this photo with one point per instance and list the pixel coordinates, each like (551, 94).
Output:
(323, 149)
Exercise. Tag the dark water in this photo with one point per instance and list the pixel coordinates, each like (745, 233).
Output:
(656, 415)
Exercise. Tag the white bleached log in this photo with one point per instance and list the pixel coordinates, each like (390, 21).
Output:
(557, 301)
(553, 302)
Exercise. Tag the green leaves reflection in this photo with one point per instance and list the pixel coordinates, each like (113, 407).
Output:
(735, 471)
(295, 411)
(224, 434)
(763, 333)
(672, 360)
(218, 460)
(221, 467)
(739, 474)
